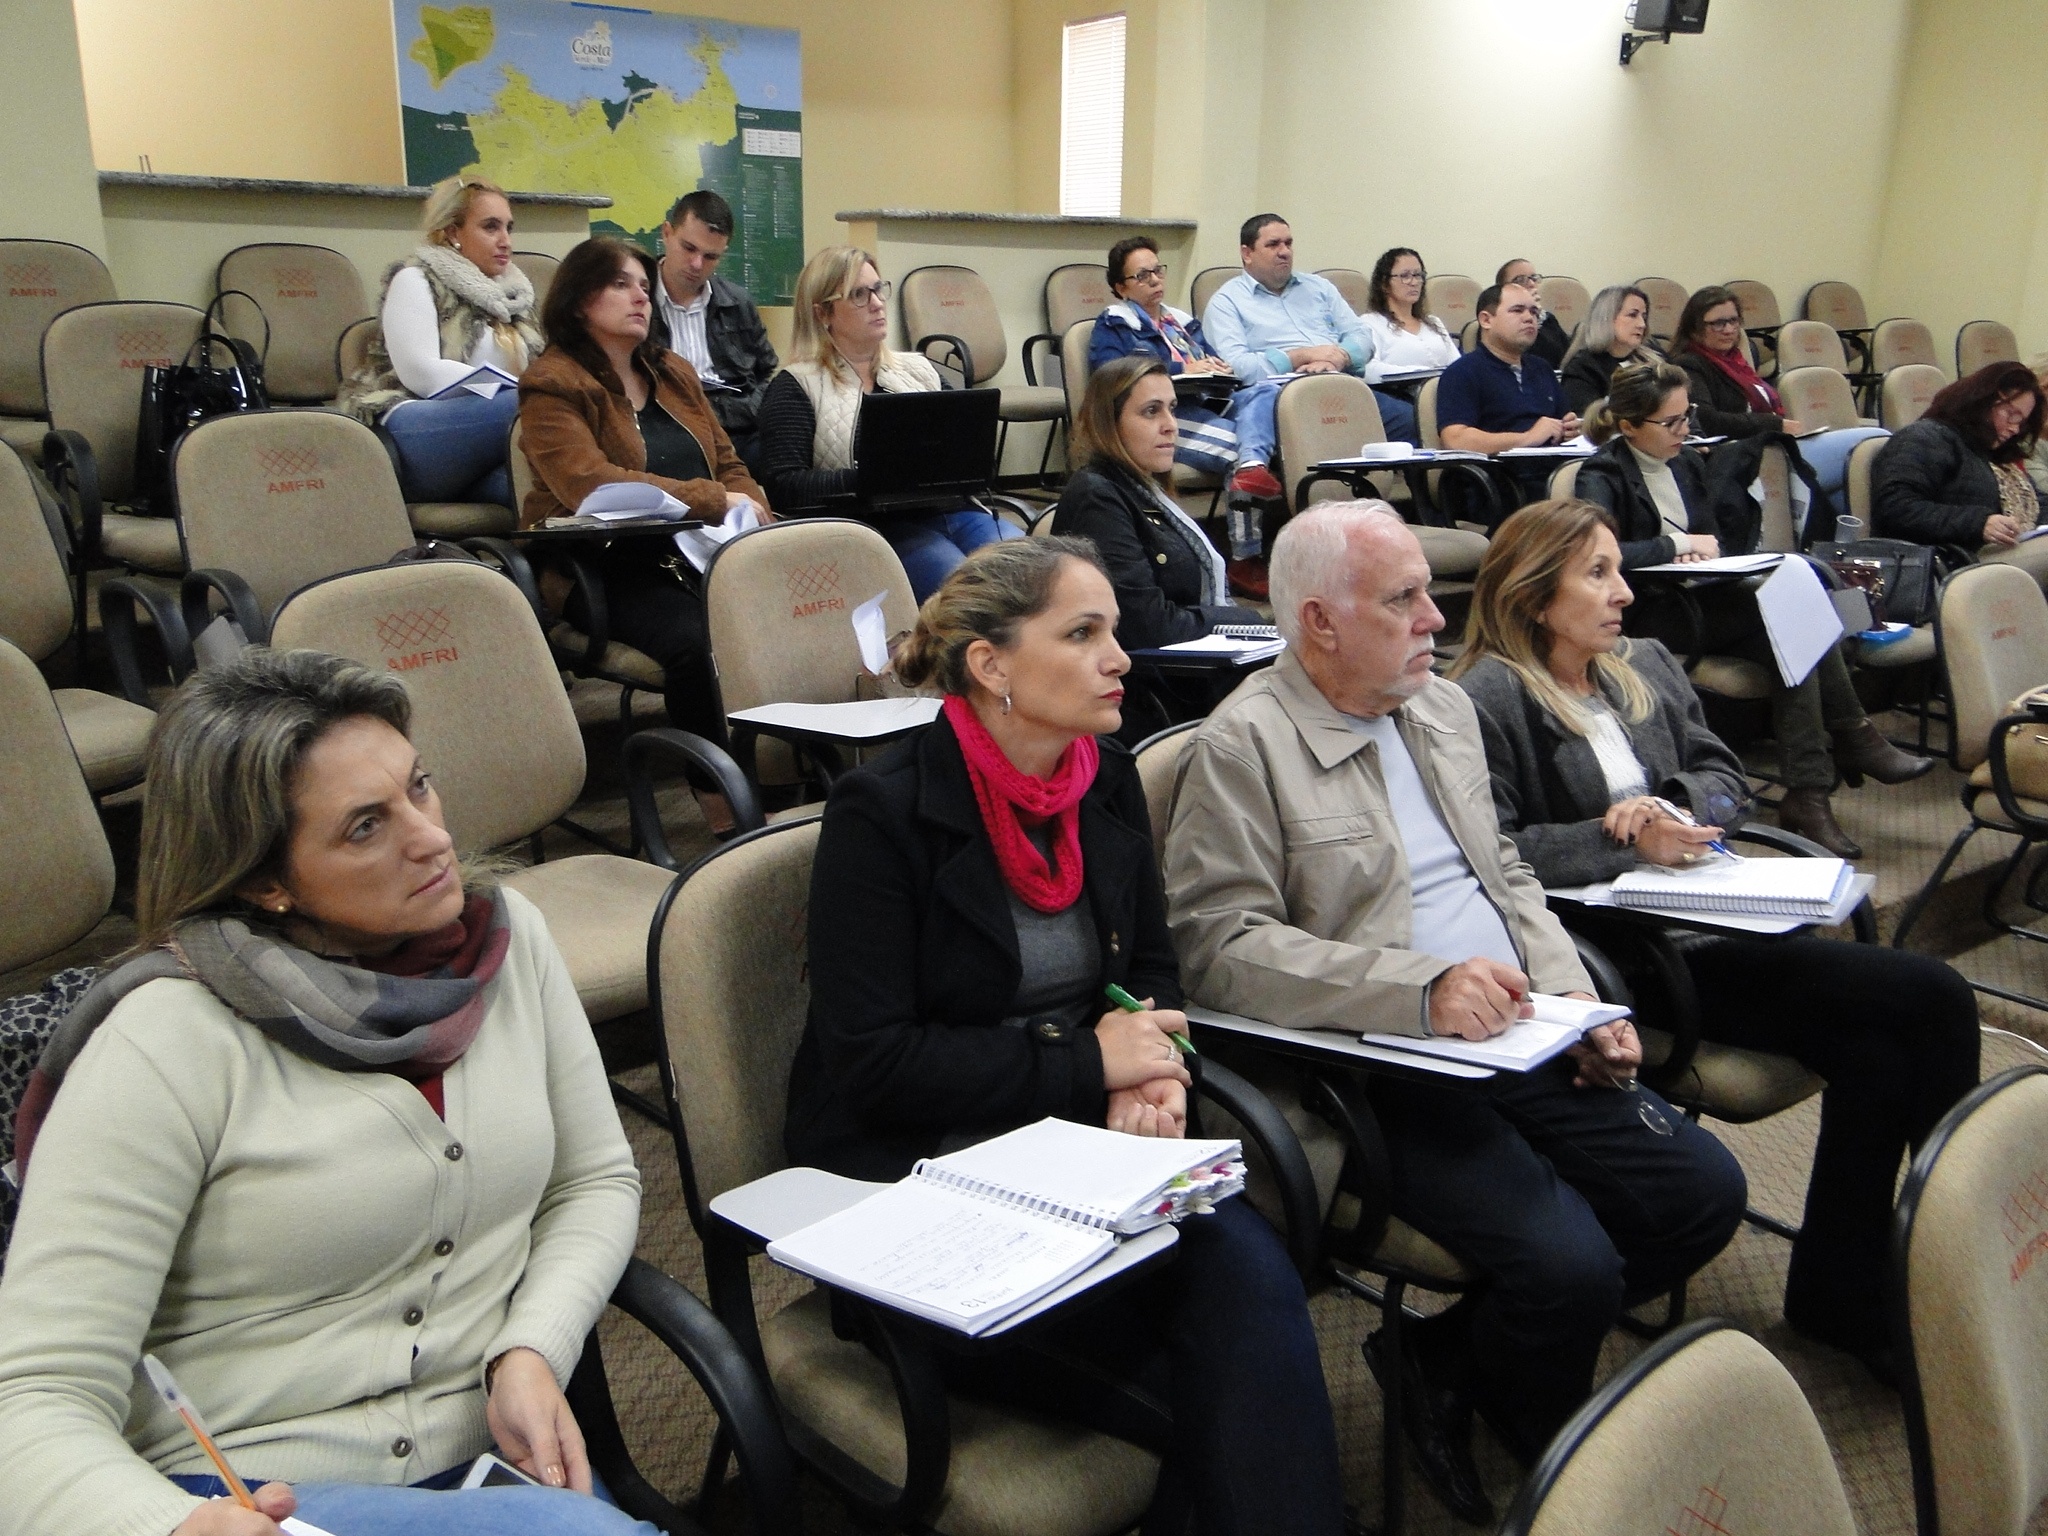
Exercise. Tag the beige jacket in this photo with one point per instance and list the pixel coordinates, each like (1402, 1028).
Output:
(1286, 883)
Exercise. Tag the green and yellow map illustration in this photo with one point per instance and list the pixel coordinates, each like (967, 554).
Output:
(639, 106)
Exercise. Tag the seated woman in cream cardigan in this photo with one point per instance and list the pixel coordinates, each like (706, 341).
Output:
(335, 1145)
(837, 354)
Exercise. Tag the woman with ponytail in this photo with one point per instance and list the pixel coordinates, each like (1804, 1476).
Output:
(975, 890)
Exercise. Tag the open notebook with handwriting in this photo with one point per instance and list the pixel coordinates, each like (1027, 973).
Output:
(975, 1236)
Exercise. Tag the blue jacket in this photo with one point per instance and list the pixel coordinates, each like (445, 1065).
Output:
(1124, 329)
(1252, 328)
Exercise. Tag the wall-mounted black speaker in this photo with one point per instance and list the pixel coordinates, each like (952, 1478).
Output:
(1670, 16)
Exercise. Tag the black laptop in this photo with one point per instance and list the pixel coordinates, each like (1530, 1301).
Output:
(931, 451)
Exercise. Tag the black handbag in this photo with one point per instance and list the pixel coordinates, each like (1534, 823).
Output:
(178, 398)
(1909, 581)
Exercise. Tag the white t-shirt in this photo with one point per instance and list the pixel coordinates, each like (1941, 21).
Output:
(1455, 919)
(1395, 350)
(412, 336)
(1619, 765)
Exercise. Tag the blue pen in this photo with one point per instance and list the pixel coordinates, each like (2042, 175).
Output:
(1681, 814)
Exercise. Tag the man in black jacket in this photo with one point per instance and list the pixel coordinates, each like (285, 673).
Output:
(711, 322)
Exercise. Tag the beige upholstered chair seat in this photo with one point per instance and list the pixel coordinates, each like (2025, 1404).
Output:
(1733, 678)
(598, 908)
(24, 434)
(109, 734)
(1985, 804)
(1403, 1248)
(1739, 1086)
(147, 543)
(1915, 648)
(460, 519)
(1010, 1471)
(618, 660)
(1033, 402)
(1182, 478)
(1452, 553)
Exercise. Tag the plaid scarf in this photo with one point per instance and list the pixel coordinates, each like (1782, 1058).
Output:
(412, 1012)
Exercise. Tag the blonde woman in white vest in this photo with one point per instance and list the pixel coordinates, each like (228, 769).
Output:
(838, 353)
(455, 304)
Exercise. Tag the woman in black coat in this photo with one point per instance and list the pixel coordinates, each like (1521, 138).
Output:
(1655, 490)
(1615, 334)
(975, 890)
(1169, 578)
(1593, 744)
(1958, 475)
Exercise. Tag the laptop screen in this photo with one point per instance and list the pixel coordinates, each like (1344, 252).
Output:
(926, 446)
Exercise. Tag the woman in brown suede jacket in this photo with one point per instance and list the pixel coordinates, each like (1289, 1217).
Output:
(608, 401)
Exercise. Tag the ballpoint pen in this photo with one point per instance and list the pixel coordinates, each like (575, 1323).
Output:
(1680, 814)
(1130, 1004)
(174, 1398)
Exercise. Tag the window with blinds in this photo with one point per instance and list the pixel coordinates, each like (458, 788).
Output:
(1092, 117)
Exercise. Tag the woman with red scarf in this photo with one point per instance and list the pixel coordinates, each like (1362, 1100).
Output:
(975, 890)
(1731, 399)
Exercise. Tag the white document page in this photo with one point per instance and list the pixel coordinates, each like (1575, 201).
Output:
(485, 381)
(854, 720)
(943, 1255)
(698, 545)
(1558, 1024)
(1765, 887)
(622, 500)
(1098, 1173)
(1800, 618)
(871, 633)
(1225, 645)
(1725, 565)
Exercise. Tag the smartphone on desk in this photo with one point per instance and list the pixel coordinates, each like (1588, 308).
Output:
(487, 1471)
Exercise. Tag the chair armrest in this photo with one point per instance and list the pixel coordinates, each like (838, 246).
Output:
(1595, 931)
(195, 598)
(390, 449)
(1269, 1129)
(639, 755)
(119, 599)
(598, 632)
(1764, 835)
(1368, 1173)
(508, 558)
(1046, 339)
(1465, 469)
(74, 472)
(1013, 509)
(745, 1407)
(1608, 984)
(1349, 479)
(2001, 774)
(963, 358)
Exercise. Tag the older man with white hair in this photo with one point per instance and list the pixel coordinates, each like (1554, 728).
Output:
(1334, 863)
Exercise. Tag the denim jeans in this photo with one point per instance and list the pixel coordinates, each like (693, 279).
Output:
(366, 1509)
(454, 450)
(1571, 1205)
(1221, 1338)
(1398, 417)
(931, 547)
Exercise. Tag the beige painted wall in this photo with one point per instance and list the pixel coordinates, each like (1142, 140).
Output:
(47, 190)
(905, 103)
(1965, 219)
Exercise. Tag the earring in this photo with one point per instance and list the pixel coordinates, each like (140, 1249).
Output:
(1006, 703)
(282, 906)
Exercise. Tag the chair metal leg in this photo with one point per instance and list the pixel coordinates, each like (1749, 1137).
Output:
(1393, 1486)
(1918, 905)
(640, 1104)
(1767, 1223)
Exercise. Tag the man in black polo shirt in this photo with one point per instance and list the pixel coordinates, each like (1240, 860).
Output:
(1500, 396)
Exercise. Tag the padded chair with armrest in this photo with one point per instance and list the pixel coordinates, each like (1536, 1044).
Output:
(1076, 292)
(1566, 298)
(1453, 298)
(540, 270)
(109, 734)
(1352, 284)
(1761, 314)
(1899, 341)
(1667, 302)
(1468, 473)
(1906, 393)
(308, 295)
(39, 280)
(1981, 342)
(1839, 305)
(92, 362)
(1705, 1431)
(1969, 1293)
(1819, 396)
(951, 316)
(728, 973)
(1992, 630)
(1810, 344)
(1195, 490)
(1202, 287)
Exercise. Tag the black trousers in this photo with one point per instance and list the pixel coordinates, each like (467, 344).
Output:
(654, 602)
(1895, 1035)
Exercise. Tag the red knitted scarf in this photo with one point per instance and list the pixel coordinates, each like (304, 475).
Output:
(1759, 395)
(1012, 800)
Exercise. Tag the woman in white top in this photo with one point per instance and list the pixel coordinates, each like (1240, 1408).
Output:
(838, 355)
(1405, 336)
(456, 305)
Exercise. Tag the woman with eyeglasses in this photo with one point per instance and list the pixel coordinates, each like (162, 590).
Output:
(1655, 489)
(1958, 475)
(1602, 763)
(1733, 398)
(1228, 431)
(838, 355)
(1405, 335)
(1615, 334)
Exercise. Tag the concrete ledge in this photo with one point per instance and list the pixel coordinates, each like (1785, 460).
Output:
(263, 187)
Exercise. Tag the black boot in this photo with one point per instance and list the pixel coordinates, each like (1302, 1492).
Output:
(1862, 752)
(1807, 812)
(1438, 1424)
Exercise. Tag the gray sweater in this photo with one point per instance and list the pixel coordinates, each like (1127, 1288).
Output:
(1549, 792)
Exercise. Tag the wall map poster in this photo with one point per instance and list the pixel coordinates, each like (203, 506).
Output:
(641, 106)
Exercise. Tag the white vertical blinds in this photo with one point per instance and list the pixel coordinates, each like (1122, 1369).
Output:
(1092, 117)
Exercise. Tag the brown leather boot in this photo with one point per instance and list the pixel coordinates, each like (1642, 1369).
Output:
(1861, 751)
(1807, 812)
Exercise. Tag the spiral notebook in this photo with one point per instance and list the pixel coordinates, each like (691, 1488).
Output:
(977, 1235)
(1794, 888)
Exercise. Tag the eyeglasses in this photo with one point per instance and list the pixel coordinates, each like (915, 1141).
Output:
(1527, 280)
(1732, 323)
(1146, 275)
(1680, 425)
(1407, 277)
(861, 298)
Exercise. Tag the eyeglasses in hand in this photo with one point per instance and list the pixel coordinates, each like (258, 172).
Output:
(861, 298)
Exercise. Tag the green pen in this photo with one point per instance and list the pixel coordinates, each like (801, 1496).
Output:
(1130, 1004)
